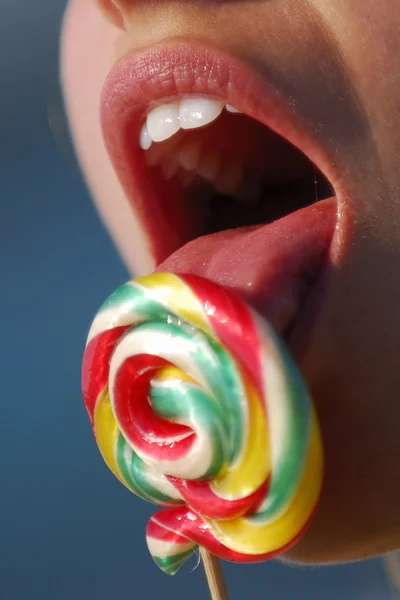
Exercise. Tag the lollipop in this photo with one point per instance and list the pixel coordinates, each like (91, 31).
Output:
(196, 405)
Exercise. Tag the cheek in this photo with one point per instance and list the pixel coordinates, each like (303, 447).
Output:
(90, 45)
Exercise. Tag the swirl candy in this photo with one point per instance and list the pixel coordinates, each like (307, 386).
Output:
(197, 406)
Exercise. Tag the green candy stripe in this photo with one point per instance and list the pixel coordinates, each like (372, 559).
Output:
(182, 400)
(287, 473)
(221, 376)
(132, 297)
(171, 564)
(134, 472)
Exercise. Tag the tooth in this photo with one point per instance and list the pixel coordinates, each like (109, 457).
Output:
(163, 121)
(209, 166)
(196, 112)
(229, 179)
(232, 109)
(188, 156)
(145, 139)
(169, 169)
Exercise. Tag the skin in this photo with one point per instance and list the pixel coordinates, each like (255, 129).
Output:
(338, 60)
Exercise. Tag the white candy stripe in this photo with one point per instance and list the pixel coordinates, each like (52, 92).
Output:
(156, 343)
(111, 318)
(164, 549)
(193, 424)
(156, 480)
(275, 392)
(161, 483)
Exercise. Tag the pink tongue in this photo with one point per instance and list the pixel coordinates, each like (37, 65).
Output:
(272, 266)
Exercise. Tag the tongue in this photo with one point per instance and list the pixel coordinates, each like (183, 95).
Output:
(272, 267)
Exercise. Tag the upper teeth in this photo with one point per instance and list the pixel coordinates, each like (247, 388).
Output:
(232, 109)
(166, 120)
(163, 121)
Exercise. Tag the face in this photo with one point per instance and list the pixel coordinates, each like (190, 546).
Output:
(318, 86)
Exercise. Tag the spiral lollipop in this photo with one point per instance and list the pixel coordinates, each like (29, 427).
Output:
(197, 406)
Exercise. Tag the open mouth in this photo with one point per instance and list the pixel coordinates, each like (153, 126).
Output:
(230, 169)
(224, 179)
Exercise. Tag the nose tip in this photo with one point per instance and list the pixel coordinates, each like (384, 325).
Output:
(113, 10)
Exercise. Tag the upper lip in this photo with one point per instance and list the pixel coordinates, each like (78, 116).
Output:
(163, 72)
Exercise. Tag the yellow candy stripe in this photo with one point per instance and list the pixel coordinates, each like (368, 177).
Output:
(253, 466)
(250, 536)
(107, 432)
(173, 292)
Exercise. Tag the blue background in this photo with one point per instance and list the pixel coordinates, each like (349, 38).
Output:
(69, 530)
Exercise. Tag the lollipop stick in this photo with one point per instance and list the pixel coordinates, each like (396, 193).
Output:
(215, 576)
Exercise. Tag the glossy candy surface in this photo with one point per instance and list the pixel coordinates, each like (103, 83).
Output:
(196, 405)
